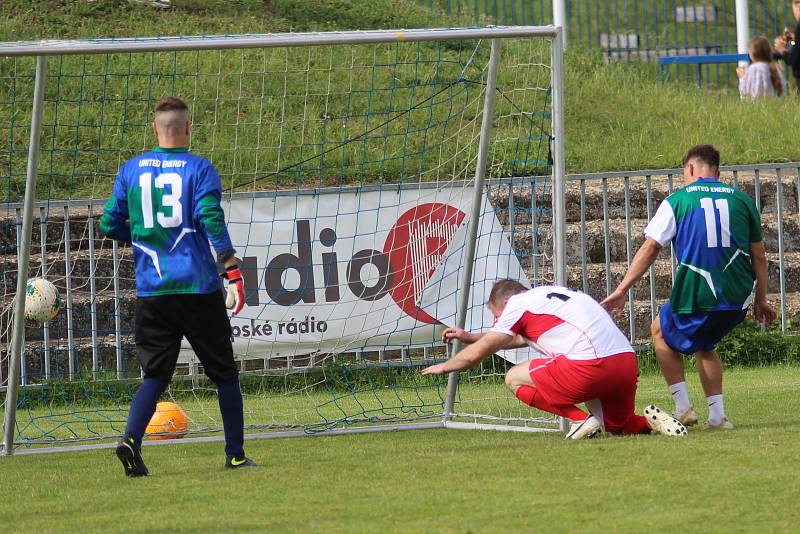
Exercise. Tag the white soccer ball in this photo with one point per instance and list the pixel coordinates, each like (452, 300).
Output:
(42, 300)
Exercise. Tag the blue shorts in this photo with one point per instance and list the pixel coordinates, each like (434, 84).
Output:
(691, 332)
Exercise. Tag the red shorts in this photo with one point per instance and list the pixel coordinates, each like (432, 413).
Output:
(606, 385)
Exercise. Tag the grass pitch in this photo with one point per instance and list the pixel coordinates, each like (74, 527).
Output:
(745, 480)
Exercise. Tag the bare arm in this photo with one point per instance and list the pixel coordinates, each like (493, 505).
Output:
(762, 309)
(517, 342)
(644, 258)
(488, 344)
(453, 333)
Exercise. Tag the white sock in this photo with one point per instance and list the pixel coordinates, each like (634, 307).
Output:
(716, 410)
(680, 395)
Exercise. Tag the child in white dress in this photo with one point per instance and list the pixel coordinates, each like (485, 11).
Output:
(762, 78)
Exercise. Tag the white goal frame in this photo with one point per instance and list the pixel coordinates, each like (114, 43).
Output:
(41, 50)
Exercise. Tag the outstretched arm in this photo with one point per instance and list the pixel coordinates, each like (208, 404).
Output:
(454, 333)
(644, 258)
(488, 344)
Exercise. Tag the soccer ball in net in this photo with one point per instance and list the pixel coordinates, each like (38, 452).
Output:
(42, 300)
(168, 417)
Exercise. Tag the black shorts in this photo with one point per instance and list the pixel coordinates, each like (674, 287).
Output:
(163, 321)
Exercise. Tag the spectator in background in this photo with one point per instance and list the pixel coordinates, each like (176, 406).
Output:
(762, 78)
(786, 49)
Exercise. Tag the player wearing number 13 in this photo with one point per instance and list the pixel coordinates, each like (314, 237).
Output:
(166, 203)
(722, 267)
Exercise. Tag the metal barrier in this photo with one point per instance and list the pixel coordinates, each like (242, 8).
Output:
(93, 335)
(697, 63)
(607, 212)
(605, 216)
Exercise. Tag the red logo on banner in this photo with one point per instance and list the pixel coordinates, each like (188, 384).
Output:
(415, 246)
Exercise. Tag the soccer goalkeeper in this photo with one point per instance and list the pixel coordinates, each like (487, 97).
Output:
(166, 203)
(588, 360)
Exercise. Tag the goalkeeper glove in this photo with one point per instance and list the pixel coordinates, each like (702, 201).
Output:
(234, 293)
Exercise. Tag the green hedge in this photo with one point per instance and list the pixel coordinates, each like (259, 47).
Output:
(747, 346)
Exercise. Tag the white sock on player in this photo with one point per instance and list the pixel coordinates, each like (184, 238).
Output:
(716, 409)
(680, 395)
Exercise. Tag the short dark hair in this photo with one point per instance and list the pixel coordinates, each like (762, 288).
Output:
(708, 154)
(504, 289)
(170, 103)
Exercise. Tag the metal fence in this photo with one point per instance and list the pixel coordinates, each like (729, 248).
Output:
(605, 216)
(641, 29)
(607, 212)
(93, 335)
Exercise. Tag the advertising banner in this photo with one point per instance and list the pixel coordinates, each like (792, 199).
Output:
(336, 271)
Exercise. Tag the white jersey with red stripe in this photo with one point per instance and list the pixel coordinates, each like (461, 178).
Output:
(558, 321)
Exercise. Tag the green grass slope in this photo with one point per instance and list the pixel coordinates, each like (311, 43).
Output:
(618, 116)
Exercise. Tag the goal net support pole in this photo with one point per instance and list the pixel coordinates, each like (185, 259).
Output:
(474, 219)
(558, 202)
(18, 334)
(559, 171)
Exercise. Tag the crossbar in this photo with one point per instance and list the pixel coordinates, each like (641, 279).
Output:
(209, 42)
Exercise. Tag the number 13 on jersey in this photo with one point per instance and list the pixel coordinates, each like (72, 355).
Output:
(170, 199)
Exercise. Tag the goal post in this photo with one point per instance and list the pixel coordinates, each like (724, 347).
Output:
(375, 184)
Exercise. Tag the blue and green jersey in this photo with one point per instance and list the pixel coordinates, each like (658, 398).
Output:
(166, 203)
(711, 225)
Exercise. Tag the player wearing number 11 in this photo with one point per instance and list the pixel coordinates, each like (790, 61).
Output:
(166, 203)
(722, 267)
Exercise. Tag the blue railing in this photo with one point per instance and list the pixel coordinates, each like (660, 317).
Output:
(640, 29)
(698, 68)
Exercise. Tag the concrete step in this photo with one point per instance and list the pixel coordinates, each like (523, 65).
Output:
(595, 238)
(54, 229)
(105, 319)
(80, 269)
(594, 283)
(521, 197)
(82, 354)
(593, 191)
(521, 234)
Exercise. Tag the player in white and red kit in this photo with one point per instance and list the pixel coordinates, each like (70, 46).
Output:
(588, 359)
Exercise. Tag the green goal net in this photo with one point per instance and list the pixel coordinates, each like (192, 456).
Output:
(348, 163)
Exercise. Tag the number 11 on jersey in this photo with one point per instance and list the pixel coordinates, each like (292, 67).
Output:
(710, 213)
